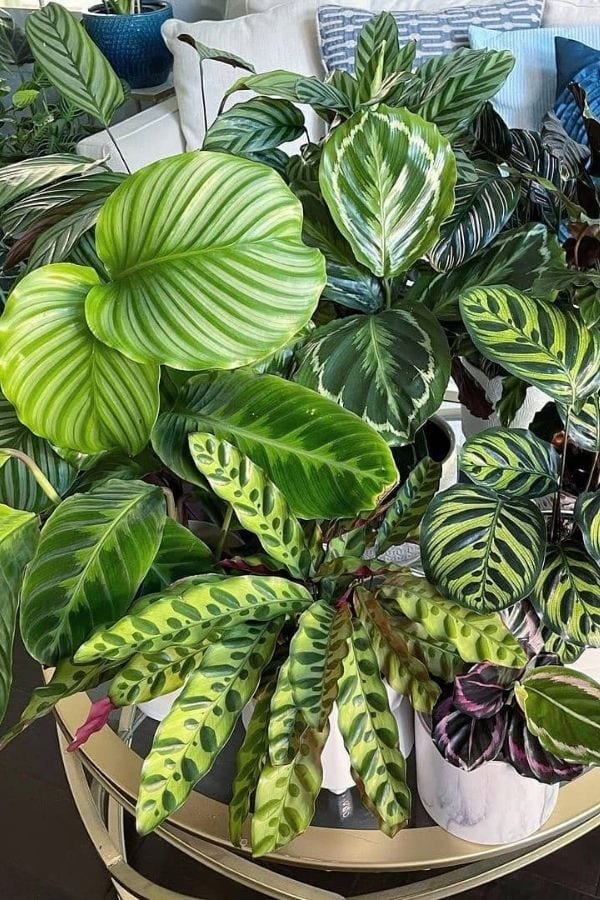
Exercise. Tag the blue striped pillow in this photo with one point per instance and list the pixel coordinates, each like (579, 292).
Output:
(435, 32)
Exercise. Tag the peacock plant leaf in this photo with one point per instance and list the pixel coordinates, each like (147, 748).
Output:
(587, 516)
(64, 384)
(254, 126)
(440, 657)
(317, 653)
(283, 718)
(561, 709)
(536, 341)
(200, 288)
(149, 675)
(527, 756)
(388, 179)
(259, 505)
(202, 719)
(390, 368)
(94, 552)
(584, 424)
(404, 515)
(464, 741)
(511, 461)
(193, 609)
(325, 460)
(567, 594)
(476, 636)
(481, 550)
(566, 651)
(179, 555)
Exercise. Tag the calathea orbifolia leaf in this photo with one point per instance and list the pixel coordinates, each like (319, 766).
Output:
(587, 516)
(180, 554)
(169, 289)
(464, 741)
(584, 424)
(388, 179)
(28, 175)
(65, 384)
(413, 497)
(259, 505)
(325, 460)
(567, 594)
(254, 126)
(390, 368)
(547, 347)
(527, 756)
(513, 462)
(202, 719)
(19, 533)
(94, 552)
(483, 690)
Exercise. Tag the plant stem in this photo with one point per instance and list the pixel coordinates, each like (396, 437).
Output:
(37, 473)
(592, 470)
(203, 95)
(171, 505)
(387, 290)
(224, 532)
(563, 463)
(118, 149)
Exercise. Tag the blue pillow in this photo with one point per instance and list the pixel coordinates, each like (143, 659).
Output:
(435, 32)
(576, 62)
(530, 89)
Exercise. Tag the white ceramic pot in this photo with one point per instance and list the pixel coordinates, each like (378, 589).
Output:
(491, 805)
(535, 400)
(160, 707)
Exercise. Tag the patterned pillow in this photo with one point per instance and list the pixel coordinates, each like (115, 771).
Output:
(576, 62)
(435, 32)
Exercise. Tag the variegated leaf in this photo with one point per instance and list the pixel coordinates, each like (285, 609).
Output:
(388, 179)
(566, 651)
(567, 594)
(26, 176)
(282, 719)
(511, 461)
(149, 675)
(465, 741)
(584, 424)
(527, 756)
(587, 516)
(254, 126)
(402, 518)
(440, 657)
(379, 30)
(180, 555)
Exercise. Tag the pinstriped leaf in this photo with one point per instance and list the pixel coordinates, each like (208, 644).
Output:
(258, 504)
(587, 516)
(73, 63)
(58, 240)
(94, 552)
(379, 29)
(282, 719)
(311, 90)
(254, 126)
(202, 719)
(511, 461)
(391, 368)
(567, 594)
(388, 179)
(584, 424)
(325, 461)
(29, 175)
(149, 675)
(199, 287)
(65, 385)
(480, 550)
(190, 610)
(410, 503)
(547, 347)
(19, 533)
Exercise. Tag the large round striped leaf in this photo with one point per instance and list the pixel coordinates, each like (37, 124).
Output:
(72, 62)
(567, 594)
(94, 552)
(325, 460)
(536, 341)
(66, 385)
(584, 424)
(391, 368)
(587, 516)
(208, 269)
(513, 462)
(481, 550)
(388, 179)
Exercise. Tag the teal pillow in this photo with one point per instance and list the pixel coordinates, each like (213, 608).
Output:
(576, 62)
(530, 89)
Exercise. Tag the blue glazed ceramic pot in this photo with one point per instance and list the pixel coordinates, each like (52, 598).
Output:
(133, 44)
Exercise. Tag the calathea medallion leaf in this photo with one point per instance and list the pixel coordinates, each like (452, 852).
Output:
(388, 179)
(547, 347)
(567, 594)
(200, 288)
(65, 385)
(584, 424)
(587, 516)
(391, 368)
(94, 552)
(413, 497)
(149, 675)
(483, 690)
(527, 756)
(202, 718)
(180, 554)
(325, 460)
(511, 461)
(464, 741)
(255, 125)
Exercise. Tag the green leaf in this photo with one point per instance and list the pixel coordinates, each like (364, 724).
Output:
(201, 288)
(370, 735)
(94, 552)
(513, 462)
(29, 175)
(388, 179)
(149, 675)
(311, 90)
(14, 49)
(317, 653)
(584, 424)
(282, 720)
(440, 657)
(325, 461)
(567, 595)
(561, 709)
(514, 393)
(66, 385)
(25, 97)
(72, 63)
(202, 719)
(587, 516)
(58, 240)
(222, 56)
(259, 505)
(480, 550)
(180, 554)
(254, 126)
(190, 610)
(402, 518)
(18, 540)
(391, 369)
(373, 34)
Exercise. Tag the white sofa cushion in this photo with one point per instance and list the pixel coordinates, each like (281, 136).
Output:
(571, 12)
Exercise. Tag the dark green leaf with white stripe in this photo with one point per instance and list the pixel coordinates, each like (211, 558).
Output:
(587, 516)
(567, 594)
(254, 126)
(28, 175)
(584, 424)
(402, 518)
(512, 462)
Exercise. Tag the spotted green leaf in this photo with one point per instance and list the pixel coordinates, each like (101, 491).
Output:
(587, 516)
(511, 461)
(536, 341)
(584, 424)
(180, 554)
(440, 657)
(567, 594)
(282, 719)
(255, 125)
(391, 368)
(93, 554)
(388, 179)
(259, 505)
(402, 518)
(202, 719)
(149, 675)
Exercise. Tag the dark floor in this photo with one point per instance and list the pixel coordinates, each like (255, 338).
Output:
(45, 853)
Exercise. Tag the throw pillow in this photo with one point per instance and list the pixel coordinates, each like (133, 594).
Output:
(576, 62)
(435, 32)
(571, 12)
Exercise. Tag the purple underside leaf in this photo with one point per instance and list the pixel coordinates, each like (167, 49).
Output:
(464, 741)
(483, 690)
(527, 756)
